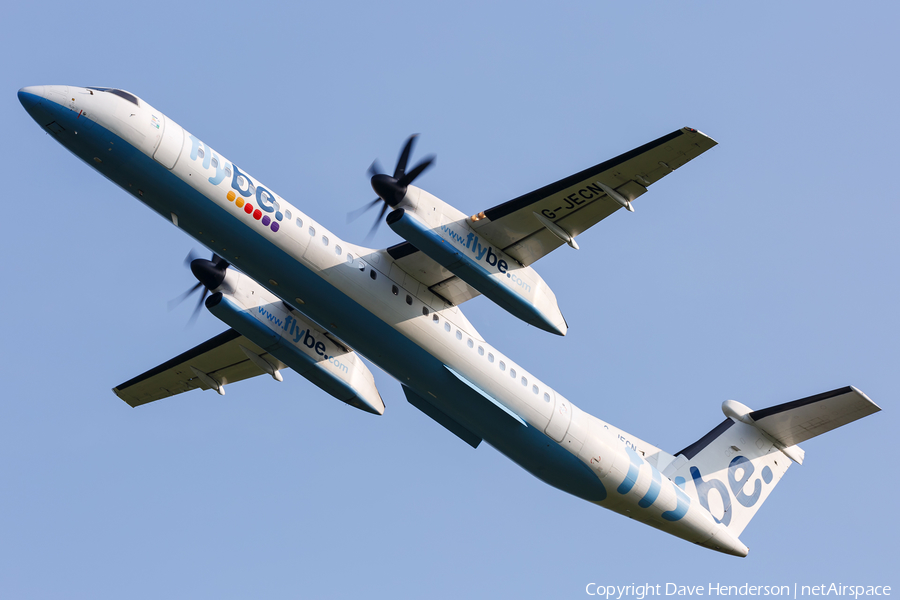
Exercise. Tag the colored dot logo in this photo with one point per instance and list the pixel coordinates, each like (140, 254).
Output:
(255, 213)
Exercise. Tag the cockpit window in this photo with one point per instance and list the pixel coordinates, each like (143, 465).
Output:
(121, 93)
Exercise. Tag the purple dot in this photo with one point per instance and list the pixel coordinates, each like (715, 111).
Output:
(266, 220)
(274, 226)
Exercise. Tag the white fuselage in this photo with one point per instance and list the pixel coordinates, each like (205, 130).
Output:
(362, 297)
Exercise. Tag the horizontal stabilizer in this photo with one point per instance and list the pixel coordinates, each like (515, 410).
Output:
(795, 422)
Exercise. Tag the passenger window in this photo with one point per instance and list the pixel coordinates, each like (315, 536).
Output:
(215, 162)
(435, 318)
(490, 357)
(446, 326)
(299, 222)
(458, 334)
(546, 397)
(325, 240)
(480, 350)
(337, 249)
(200, 152)
(372, 274)
(534, 389)
(470, 344)
(394, 290)
(312, 231)
(502, 366)
(425, 311)
(409, 299)
(349, 259)
(228, 170)
(241, 181)
(524, 382)
(252, 190)
(287, 215)
(512, 373)
(362, 266)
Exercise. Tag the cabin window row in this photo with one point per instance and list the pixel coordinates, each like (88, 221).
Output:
(395, 290)
(490, 356)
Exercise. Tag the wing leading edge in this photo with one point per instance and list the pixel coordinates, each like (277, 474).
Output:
(211, 365)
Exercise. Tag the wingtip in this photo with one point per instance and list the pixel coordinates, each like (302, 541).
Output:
(698, 132)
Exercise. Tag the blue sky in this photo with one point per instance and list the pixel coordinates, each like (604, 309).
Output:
(764, 271)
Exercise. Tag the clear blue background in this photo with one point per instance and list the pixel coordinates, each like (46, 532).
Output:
(764, 271)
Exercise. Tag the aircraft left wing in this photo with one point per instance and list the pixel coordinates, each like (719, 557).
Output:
(576, 203)
(214, 363)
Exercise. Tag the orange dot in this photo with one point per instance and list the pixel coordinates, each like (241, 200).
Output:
(239, 202)
(230, 195)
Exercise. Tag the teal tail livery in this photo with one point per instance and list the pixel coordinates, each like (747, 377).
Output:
(296, 297)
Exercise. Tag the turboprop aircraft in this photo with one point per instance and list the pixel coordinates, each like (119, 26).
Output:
(295, 296)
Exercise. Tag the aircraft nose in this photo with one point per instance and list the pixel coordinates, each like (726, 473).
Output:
(31, 96)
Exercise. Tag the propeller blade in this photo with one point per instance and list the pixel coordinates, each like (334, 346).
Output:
(176, 301)
(378, 222)
(219, 261)
(191, 257)
(197, 308)
(352, 216)
(417, 170)
(375, 168)
(404, 157)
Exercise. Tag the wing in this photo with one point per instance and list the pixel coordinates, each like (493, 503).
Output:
(214, 363)
(439, 280)
(572, 205)
(579, 201)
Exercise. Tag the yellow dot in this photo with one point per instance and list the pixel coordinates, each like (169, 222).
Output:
(239, 202)
(230, 195)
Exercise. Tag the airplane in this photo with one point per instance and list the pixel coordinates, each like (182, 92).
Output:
(295, 296)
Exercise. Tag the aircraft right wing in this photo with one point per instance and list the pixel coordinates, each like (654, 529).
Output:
(576, 203)
(569, 206)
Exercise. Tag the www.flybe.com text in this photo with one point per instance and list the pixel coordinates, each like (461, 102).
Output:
(302, 336)
(481, 253)
(642, 591)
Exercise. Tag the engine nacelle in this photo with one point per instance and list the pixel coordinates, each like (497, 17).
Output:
(443, 234)
(264, 319)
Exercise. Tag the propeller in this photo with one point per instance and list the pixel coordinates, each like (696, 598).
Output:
(391, 189)
(210, 274)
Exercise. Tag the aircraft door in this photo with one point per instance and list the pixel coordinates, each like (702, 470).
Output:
(170, 145)
(559, 419)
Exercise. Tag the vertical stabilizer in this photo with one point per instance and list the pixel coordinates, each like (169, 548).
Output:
(732, 470)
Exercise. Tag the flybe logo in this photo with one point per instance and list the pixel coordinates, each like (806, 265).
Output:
(484, 254)
(740, 472)
(243, 192)
(682, 501)
(301, 336)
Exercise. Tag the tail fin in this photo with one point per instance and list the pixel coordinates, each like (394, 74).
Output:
(734, 467)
